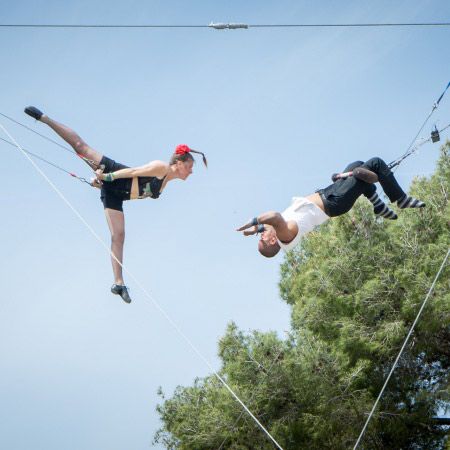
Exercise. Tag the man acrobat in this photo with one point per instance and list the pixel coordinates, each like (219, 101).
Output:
(284, 230)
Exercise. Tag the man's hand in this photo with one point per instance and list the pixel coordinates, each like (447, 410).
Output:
(285, 230)
(251, 231)
(250, 223)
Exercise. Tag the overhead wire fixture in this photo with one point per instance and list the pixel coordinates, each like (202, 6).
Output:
(435, 135)
(227, 26)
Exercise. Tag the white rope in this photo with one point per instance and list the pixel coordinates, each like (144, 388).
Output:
(253, 393)
(138, 283)
(401, 350)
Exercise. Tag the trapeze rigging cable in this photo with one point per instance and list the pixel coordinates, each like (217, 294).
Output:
(410, 150)
(34, 155)
(253, 394)
(402, 348)
(39, 134)
(71, 151)
(143, 289)
(232, 26)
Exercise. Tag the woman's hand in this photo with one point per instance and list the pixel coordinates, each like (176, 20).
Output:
(99, 175)
(96, 183)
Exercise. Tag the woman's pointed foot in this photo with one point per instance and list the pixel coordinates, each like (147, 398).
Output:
(33, 112)
(119, 289)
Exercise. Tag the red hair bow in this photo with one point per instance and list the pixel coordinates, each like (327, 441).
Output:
(182, 149)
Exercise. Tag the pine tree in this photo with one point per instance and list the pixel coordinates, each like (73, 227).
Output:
(355, 287)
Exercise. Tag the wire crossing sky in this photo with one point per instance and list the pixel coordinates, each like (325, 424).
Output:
(221, 25)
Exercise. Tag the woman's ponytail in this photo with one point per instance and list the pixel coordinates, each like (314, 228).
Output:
(205, 162)
(183, 153)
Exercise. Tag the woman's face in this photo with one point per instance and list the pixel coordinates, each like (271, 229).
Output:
(185, 168)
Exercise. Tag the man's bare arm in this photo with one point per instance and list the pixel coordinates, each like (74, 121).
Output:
(286, 231)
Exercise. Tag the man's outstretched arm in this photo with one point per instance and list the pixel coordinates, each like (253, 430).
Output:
(286, 230)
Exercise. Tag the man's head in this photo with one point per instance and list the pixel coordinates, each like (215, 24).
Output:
(268, 244)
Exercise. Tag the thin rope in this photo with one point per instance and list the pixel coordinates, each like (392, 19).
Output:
(39, 134)
(298, 25)
(138, 283)
(410, 150)
(253, 394)
(414, 149)
(34, 155)
(354, 25)
(401, 350)
(70, 150)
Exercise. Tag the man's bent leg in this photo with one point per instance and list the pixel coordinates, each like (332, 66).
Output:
(391, 186)
(353, 165)
(386, 177)
(339, 197)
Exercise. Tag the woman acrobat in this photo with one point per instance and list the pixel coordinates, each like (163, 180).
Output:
(119, 183)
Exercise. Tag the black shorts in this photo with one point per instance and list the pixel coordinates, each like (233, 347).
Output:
(339, 197)
(113, 194)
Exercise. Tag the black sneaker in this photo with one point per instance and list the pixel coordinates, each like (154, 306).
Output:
(119, 289)
(33, 112)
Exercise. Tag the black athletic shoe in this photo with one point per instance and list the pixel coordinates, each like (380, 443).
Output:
(121, 290)
(33, 112)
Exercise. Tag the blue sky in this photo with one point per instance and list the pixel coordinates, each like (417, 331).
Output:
(275, 110)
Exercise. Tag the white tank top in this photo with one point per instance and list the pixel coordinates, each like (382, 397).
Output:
(306, 214)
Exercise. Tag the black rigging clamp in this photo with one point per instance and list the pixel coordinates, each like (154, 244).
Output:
(435, 135)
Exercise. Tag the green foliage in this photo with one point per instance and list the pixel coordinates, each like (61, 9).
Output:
(355, 287)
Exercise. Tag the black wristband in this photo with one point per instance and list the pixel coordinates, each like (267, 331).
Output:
(255, 221)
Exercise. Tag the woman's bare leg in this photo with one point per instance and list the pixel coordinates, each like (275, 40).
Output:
(74, 141)
(116, 223)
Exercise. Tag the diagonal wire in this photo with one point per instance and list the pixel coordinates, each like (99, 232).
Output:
(34, 155)
(401, 350)
(410, 148)
(253, 394)
(143, 289)
(39, 134)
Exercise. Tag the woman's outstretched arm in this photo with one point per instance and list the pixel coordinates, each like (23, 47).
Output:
(152, 169)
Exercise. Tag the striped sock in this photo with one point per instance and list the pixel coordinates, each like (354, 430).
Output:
(381, 209)
(409, 202)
